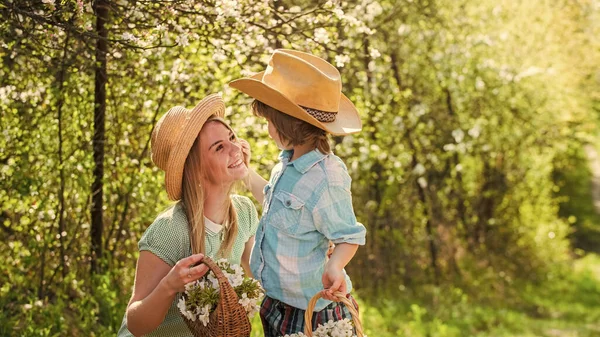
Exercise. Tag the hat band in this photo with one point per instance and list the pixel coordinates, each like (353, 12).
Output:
(321, 116)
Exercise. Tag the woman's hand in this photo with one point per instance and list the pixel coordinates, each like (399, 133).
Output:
(186, 270)
(155, 287)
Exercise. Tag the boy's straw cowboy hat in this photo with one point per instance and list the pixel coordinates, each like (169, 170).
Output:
(174, 135)
(306, 87)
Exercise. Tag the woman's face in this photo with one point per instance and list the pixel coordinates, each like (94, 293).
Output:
(221, 154)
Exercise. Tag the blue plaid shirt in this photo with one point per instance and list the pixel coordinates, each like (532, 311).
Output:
(307, 203)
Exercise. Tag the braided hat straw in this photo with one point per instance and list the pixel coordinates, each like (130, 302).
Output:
(306, 87)
(174, 135)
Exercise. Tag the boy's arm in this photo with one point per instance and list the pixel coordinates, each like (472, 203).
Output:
(256, 184)
(334, 278)
(253, 181)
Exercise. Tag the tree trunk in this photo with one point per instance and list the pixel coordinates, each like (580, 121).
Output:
(101, 10)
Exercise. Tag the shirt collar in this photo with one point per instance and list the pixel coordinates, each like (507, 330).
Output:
(305, 162)
(211, 227)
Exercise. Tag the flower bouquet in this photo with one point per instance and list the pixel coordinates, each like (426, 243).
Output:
(341, 328)
(220, 303)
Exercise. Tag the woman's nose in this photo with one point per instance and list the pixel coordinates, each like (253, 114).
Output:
(237, 147)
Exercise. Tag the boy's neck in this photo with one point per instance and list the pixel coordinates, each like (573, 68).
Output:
(300, 150)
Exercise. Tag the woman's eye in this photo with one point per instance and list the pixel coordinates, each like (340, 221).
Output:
(219, 148)
(232, 138)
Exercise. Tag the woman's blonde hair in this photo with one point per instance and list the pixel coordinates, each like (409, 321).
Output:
(193, 201)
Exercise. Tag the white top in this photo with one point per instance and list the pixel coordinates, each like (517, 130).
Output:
(211, 227)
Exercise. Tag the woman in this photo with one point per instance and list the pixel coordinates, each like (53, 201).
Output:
(202, 159)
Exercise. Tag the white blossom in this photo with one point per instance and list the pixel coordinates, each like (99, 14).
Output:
(458, 135)
(235, 276)
(321, 35)
(475, 131)
(182, 40)
(374, 53)
(341, 60)
(419, 169)
(128, 37)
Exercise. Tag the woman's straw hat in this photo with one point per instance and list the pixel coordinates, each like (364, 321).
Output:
(306, 87)
(174, 135)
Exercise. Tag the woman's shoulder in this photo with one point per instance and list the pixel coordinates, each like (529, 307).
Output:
(246, 212)
(167, 237)
(172, 217)
(241, 202)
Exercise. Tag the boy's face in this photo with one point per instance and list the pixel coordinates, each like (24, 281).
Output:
(275, 136)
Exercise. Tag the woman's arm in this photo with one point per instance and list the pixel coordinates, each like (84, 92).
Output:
(246, 256)
(156, 284)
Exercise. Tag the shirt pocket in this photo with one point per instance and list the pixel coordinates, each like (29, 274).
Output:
(288, 211)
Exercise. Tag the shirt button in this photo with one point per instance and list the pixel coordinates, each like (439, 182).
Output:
(288, 203)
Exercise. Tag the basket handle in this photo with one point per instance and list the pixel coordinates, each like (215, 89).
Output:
(216, 270)
(311, 307)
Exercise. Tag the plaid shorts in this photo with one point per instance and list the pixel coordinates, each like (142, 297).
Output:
(279, 319)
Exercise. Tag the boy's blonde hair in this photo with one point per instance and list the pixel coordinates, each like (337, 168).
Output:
(291, 130)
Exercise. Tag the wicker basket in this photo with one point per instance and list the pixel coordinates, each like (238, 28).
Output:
(229, 318)
(311, 307)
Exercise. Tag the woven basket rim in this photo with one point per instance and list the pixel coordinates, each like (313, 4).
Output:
(342, 298)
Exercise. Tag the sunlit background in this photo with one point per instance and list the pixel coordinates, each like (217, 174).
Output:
(477, 172)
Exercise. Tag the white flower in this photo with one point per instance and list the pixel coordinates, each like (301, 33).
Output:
(51, 2)
(182, 307)
(374, 53)
(227, 8)
(404, 30)
(338, 12)
(192, 308)
(182, 40)
(204, 314)
(449, 147)
(419, 169)
(321, 35)
(479, 84)
(474, 131)
(458, 135)
(341, 60)
(214, 282)
(128, 37)
(419, 110)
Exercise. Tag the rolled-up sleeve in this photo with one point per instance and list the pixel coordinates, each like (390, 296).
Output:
(334, 217)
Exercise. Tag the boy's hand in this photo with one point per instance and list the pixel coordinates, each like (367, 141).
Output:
(334, 280)
(245, 151)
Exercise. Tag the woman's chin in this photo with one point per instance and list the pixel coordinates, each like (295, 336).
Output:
(239, 173)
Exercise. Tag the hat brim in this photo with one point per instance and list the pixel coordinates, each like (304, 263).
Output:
(346, 122)
(210, 105)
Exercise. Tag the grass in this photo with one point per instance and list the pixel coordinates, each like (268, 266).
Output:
(565, 306)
